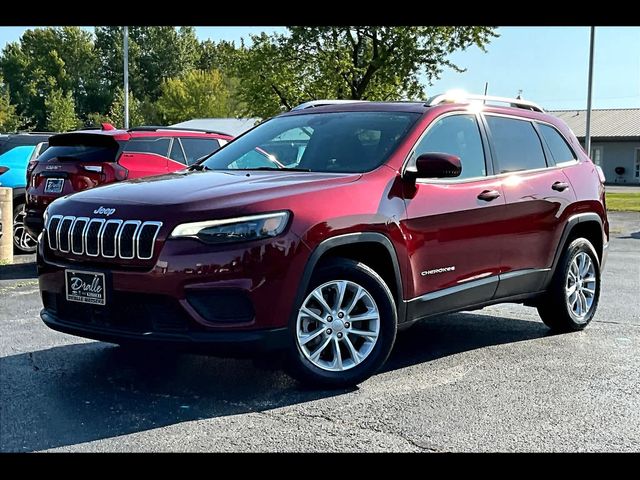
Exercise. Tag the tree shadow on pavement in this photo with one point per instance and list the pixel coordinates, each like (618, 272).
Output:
(89, 391)
(18, 271)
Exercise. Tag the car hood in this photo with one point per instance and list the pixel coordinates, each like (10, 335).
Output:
(209, 190)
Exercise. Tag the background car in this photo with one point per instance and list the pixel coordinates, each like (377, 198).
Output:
(85, 159)
(16, 151)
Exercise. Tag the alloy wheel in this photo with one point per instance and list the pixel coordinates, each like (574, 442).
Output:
(21, 238)
(580, 287)
(338, 325)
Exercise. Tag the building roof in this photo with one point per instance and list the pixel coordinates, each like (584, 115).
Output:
(231, 126)
(614, 122)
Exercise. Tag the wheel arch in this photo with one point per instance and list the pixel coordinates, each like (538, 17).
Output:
(372, 249)
(587, 225)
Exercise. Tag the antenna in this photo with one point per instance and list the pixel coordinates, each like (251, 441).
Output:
(486, 87)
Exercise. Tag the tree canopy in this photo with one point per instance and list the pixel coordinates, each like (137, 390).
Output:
(173, 76)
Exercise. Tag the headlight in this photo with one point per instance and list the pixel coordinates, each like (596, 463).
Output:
(239, 229)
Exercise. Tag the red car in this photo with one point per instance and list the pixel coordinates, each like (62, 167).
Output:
(85, 159)
(390, 214)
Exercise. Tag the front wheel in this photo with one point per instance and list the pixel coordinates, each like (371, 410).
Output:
(572, 298)
(23, 242)
(345, 327)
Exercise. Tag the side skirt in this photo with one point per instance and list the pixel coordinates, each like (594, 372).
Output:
(517, 286)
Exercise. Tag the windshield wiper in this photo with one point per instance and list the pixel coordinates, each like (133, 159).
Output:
(278, 169)
(198, 167)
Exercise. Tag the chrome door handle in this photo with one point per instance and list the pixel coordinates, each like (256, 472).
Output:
(560, 186)
(488, 195)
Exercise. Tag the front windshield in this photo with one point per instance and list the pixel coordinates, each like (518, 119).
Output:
(317, 142)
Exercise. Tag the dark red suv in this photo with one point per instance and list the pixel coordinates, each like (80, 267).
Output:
(85, 159)
(391, 213)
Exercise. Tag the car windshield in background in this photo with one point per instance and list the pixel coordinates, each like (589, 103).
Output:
(344, 142)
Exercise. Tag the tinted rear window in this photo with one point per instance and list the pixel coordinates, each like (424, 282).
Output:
(159, 146)
(560, 151)
(516, 144)
(80, 153)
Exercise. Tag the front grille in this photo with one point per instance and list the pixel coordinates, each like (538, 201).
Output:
(130, 312)
(98, 237)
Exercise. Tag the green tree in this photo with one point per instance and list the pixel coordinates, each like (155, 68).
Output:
(116, 112)
(45, 59)
(9, 119)
(370, 63)
(155, 53)
(61, 113)
(195, 94)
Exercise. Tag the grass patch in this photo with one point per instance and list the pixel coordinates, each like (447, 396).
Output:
(623, 202)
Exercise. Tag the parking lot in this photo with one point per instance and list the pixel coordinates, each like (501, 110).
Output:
(490, 380)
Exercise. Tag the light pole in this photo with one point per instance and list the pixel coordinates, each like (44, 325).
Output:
(587, 135)
(126, 77)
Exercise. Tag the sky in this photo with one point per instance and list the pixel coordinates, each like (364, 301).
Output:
(549, 64)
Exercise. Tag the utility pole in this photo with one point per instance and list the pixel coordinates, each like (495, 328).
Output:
(126, 77)
(587, 135)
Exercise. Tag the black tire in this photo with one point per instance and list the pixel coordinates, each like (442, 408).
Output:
(554, 308)
(301, 368)
(17, 247)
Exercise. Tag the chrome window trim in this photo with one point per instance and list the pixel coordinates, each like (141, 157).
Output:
(59, 229)
(81, 236)
(497, 176)
(86, 238)
(137, 223)
(153, 241)
(115, 238)
(55, 233)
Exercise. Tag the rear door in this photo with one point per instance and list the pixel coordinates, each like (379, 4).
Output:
(454, 227)
(537, 193)
(145, 156)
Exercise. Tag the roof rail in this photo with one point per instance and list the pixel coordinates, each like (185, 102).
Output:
(155, 128)
(321, 103)
(467, 98)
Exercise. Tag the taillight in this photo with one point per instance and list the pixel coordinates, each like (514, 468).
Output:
(93, 168)
(120, 172)
(3, 169)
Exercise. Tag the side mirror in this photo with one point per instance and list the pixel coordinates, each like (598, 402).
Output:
(435, 165)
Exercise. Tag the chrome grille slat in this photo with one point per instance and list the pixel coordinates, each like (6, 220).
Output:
(100, 237)
(83, 221)
(64, 235)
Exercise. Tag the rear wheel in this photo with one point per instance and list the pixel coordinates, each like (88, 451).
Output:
(345, 328)
(572, 298)
(23, 242)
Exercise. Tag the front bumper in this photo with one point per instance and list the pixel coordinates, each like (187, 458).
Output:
(190, 295)
(227, 343)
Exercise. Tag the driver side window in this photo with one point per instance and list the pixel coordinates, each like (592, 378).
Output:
(457, 135)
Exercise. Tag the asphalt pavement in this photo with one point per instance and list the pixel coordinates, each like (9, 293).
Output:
(489, 380)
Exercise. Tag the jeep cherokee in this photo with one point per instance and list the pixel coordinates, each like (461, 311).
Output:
(391, 213)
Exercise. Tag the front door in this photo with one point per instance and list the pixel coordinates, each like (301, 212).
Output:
(454, 227)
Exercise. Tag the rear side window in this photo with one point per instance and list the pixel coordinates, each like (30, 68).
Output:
(560, 151)
(195, 148)
(159, 146)
(516, 144)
